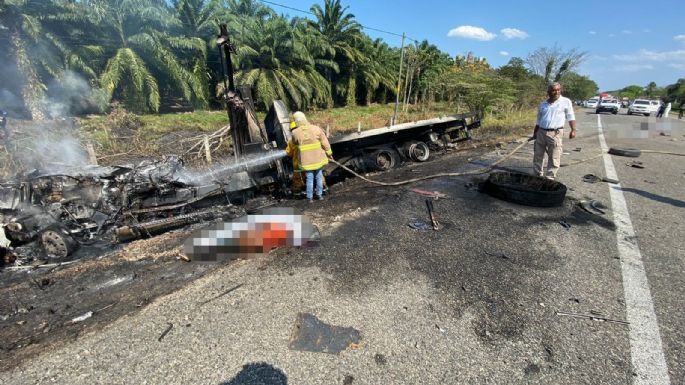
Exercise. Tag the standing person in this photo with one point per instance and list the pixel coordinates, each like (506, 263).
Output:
(660, 112)
(549, 131)
(667, 110)
(310, 145)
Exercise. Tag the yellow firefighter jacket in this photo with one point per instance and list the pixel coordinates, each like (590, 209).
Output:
(310, 145)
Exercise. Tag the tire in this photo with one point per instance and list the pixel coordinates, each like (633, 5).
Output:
(525, 189)
(647, 114)
(416, 151)
(630, 113)
(624, 151)
(615, 112)
(384, 159)
(57, 244)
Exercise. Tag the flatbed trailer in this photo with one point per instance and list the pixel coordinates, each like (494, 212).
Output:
(384, 148)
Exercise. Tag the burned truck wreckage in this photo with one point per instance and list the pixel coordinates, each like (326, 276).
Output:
(53, 213)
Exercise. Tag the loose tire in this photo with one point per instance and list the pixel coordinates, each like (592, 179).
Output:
(624, 151)
(525, 189)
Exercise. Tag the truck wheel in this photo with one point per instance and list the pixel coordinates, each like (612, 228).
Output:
(630, 113)
(416, 151)
(57, 244)
(384, 159)
(525, 189)
(615, 112)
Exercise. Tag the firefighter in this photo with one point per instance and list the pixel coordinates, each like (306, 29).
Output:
(310, 151)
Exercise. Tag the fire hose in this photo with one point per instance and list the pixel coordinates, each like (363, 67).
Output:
(480, 170)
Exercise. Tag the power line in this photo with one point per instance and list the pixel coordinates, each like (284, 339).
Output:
(313, 14)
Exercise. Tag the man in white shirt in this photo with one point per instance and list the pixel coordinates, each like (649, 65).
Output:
(549, 131)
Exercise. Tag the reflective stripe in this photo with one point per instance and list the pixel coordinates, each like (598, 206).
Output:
(314, 166)
(309, 147)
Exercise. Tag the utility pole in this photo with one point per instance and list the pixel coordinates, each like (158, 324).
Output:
(397, 89)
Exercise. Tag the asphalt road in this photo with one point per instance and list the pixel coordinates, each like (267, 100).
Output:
(476, 302)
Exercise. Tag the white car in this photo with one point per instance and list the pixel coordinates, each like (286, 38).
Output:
(642, 106)
(655, 104)
(592, 103)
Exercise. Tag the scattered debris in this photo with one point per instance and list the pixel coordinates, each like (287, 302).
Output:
(635, 164)
(592, 317)
(380, 359)
(221, 295)
(418, 225)
(431, 214)
(592, 178)
(431, 194)
(312, 335)
(82, 317)
(566, 225)
(348, 380)
(165, 332)
(592, 207)
(577, 149)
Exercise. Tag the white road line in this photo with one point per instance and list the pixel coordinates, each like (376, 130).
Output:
(646, 351)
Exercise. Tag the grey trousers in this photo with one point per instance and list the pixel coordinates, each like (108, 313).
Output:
(547, 143)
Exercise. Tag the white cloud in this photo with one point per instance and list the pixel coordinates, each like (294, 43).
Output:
(471, 32)
(633, 67)
(679, 37)
(504, 53)
(592, 32)
(678, 66)
(652, 56)
(626, 32)
(513, 33)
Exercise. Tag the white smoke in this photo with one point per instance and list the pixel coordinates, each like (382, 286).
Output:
(70, 94)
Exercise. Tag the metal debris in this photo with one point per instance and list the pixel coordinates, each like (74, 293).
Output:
(418, 225)
(312, 335)
(566, 225)
(165, 332)
(592, 317)
(431, 214)
(82, 317)
(430, 194)
(635, 164)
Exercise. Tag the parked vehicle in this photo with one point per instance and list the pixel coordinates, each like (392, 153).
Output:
(641, 106)
(608, 105)
(593, 102)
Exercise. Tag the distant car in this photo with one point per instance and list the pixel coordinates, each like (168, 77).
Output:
(641, 106)
(592, 103)
(608, 105)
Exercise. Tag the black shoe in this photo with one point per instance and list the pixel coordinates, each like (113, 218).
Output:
(319, 198)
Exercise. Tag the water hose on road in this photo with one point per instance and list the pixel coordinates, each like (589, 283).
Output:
(442, 174)
(481, 170)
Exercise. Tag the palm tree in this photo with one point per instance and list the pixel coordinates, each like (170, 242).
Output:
(377, 69)
(36, 52)
(340, 31)
(249, 8)
(275, 62)
(134, 36)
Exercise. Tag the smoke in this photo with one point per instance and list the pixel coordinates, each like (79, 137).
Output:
(70, 95)
(51, 146)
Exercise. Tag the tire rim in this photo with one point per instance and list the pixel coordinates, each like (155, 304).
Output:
(54, 243)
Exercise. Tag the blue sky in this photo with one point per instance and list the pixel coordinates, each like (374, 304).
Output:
(628, 42)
